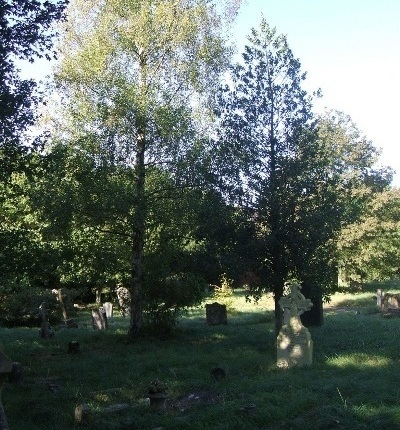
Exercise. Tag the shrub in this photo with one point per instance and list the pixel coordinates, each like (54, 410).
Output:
(20, 307)
(165, 300)
(223, 293)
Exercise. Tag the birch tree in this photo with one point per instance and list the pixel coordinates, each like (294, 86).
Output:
(132, 73)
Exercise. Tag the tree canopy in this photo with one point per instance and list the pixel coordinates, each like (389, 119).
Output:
(26, 33)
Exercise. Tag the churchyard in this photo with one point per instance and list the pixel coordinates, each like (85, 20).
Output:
(216, 376)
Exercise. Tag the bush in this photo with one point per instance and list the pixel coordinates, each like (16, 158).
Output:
(223, 293)
(165, 300)
(20, 307)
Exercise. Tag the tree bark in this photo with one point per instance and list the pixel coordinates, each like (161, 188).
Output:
(315, 316)
(139, 226)
(278, 293)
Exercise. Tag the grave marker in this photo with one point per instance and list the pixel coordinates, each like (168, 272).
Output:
(216, 314)
(294, 344)
(108, 307)
(99, 319)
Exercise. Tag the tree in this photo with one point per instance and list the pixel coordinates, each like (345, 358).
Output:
(300, 174)
(369, 247)
(263, 116)
(26, 34)
(130, 72)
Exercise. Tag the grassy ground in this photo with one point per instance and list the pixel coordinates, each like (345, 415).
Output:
(354, 382)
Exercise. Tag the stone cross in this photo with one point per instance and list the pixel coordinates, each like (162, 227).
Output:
(294, 305)
(294, 344)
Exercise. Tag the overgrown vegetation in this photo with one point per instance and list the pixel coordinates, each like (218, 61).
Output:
(353, 382)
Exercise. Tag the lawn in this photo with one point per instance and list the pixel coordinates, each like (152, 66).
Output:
(354, 382)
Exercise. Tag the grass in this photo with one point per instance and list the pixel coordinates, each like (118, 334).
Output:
(353, 383)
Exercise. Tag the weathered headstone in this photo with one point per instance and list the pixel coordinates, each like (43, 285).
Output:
(5, 370)
(391, 301)
(108, 307)
(294, 344)
(216, 314)
(45, 330)
(99, 319)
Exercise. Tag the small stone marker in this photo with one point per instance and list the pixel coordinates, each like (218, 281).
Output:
(294, 344)
(5, 370)
(216, 314)
(108, 307)
(99, 319)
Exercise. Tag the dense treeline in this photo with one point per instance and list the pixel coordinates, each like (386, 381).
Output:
(157, 176)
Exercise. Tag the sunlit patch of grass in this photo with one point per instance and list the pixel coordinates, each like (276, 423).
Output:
(359, 360)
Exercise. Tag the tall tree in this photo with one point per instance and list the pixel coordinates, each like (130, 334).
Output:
(26, 34)
(298, 173)
(133, 72)
(263, 115)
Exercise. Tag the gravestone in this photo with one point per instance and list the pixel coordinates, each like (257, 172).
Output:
(216, 314)
(391, 301)
(45, 331)
(5, 370)
(294, 344)
(99, 319)
(108, 307)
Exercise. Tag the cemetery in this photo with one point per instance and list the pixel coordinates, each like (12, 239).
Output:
(187, 240)
(230, 375)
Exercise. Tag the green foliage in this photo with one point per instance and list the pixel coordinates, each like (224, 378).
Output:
(369, 248)
(167, 295)
(20, 306)
(224, 291)
(267, 137)
(25, 33)
(304, 177)
(128, 70)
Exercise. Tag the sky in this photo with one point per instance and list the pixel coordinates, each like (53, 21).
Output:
(351, 50)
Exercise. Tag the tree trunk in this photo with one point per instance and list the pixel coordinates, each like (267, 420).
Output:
(278, 293)
(61, 301)
(315, 316)
(139, 225)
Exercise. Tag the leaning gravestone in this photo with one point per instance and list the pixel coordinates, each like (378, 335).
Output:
(5, 370)
(294, 344)
(99, 319)
(216, 314)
